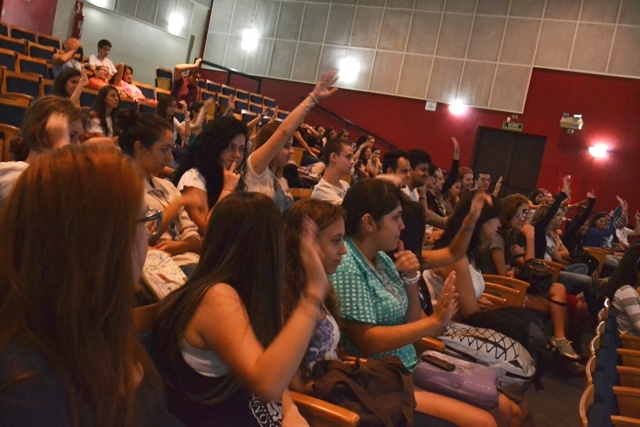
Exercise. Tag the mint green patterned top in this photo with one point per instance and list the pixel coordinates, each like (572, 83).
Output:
(376, 297)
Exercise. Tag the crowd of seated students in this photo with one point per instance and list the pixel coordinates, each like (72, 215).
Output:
(333, 272)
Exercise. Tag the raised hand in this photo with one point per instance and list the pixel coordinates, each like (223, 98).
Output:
(324, 87)
(477, 204)
(591, 194)
(447, 305)
(498, 186)
(566, 185)
(310, 252)
(456, 148)
(83, 75)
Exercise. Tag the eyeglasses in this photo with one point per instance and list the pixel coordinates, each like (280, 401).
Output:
(523, 214)
(152, 222)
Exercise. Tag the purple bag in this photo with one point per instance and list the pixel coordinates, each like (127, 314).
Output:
(469, 382)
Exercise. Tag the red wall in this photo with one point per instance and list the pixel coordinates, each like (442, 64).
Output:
(610, 107)
(34, 15)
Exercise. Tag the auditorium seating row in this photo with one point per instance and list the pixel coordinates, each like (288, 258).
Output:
(612, 395)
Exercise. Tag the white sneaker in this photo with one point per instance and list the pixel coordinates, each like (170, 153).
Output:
(563, 346)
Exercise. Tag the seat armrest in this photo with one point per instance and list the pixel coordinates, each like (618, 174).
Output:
(320, 413)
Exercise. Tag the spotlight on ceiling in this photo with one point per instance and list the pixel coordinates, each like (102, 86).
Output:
(457, 107)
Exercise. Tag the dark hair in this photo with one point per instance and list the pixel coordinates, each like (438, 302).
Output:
(390, 159)
(413, 216)
(323, 214)
(596, 216)
(332, 146)
(33, 134)
(372, 196)
(195, 109)
(432, 169)
(361, 139)
(625, 274)
(194, 71)
(146, 128)
(104, 42)
(244, 227)
(59, 87)
(510, 205)
(204, 154)
(113, 78)
(454, 223)
(363, 154)
(535, 193)
(99, 109)
(164, 102)
(417, 157)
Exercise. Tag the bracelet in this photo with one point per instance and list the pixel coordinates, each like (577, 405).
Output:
(468, 228)
(308, 107)
(313, 98)
(411, 280)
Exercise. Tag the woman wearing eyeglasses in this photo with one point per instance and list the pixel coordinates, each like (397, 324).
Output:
(622, 290)
(149, 141)
(73, 243)
(514, 241)
(511, 247)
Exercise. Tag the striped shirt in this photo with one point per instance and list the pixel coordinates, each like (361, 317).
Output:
(627, 301)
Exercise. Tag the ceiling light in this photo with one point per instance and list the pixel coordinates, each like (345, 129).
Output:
(249, 40)
(349, 69)
(457, 107)
(176, 22)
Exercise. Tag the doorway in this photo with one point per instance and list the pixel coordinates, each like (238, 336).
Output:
(514, 156)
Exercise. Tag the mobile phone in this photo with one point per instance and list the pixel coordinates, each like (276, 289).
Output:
(437, 362)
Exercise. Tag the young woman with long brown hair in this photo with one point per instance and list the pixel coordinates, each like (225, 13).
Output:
(73, 242)
(226, 354)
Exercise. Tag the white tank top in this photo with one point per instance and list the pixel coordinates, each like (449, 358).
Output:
(435, 283)
(204, 362)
